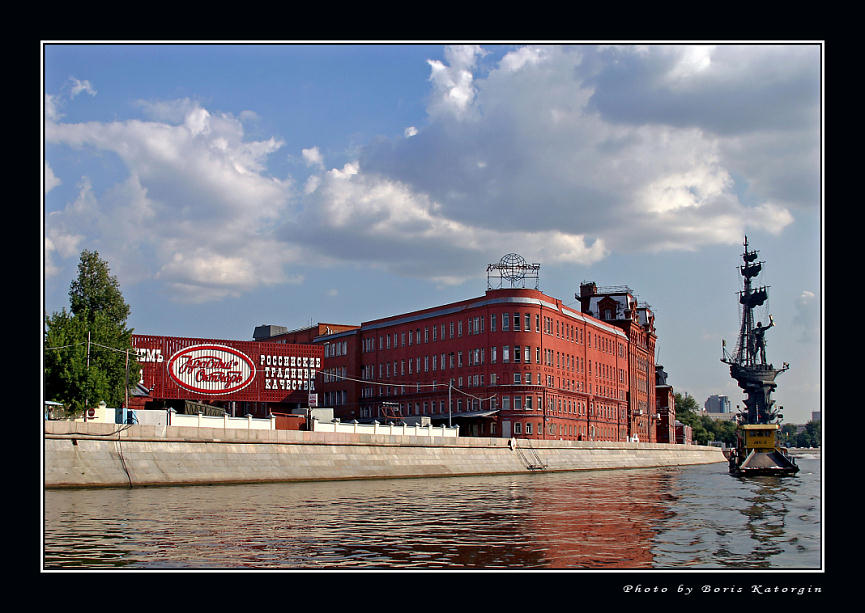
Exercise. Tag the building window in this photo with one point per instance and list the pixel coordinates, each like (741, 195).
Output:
(516, 321)
(518, 403)
(506, 354)
(528, 378)
(506, 322)
(528, 427)
(528, 403)
(518, 428)
(517, 354)
(518, 378)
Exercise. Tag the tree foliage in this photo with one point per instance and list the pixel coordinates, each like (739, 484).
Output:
(703, 427)
(96, 306)
(96, 291)
(798, 436)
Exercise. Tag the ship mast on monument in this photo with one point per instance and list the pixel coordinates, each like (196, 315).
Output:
(757, 451)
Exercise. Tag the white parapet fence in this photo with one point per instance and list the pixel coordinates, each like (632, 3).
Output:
(170, 417)
(389, 429)
(207, 421)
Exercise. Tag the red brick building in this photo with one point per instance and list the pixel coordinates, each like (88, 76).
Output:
(240, 377)
(514, 362)
(618, 306)
(665, 404)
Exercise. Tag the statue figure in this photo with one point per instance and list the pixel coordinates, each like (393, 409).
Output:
(759, 333)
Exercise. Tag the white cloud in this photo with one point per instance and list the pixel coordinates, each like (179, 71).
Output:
(79, 86)
(453, 89)
(313, 157)
(51, 108)
(563, 153)
(806, 321)
(196, 207)
(690, 60)
(538, 153)
(51, 180)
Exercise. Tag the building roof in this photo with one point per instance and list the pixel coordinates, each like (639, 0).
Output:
(492, 297)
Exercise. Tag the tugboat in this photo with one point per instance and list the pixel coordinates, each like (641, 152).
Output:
(757, 451)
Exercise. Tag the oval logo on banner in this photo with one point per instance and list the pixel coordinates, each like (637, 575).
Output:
(211, 369)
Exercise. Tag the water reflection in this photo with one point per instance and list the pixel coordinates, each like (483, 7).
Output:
(659, 518)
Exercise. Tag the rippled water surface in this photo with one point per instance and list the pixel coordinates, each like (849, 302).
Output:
(690, 517)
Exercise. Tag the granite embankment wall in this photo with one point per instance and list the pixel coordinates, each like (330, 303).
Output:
(108, 455)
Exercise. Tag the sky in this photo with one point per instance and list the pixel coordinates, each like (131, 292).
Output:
(235, 185)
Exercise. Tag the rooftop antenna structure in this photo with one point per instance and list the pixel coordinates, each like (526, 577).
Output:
(514, 269)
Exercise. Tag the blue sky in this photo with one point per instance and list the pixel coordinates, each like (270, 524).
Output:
(230, 186)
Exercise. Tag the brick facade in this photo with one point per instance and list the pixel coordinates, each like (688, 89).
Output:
(514, 362)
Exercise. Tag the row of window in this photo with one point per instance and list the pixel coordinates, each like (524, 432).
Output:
(336, 349)
(509, 322)
(591, 431)
(478, 380)
(516, 402)
(518, 354)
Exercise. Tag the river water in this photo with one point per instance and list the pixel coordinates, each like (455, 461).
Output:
(696, 517)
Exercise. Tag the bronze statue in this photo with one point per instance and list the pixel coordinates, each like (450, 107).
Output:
(759, 339)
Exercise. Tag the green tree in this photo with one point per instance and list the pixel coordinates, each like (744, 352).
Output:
(96, 306)
(703, 427)
(810, 436)
(96, 291)
(725, 431)
(687, 409)
(788, 435)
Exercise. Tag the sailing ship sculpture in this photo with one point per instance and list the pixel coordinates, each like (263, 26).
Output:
(757, 451)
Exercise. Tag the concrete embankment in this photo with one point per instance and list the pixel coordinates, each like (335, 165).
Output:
(108, 455)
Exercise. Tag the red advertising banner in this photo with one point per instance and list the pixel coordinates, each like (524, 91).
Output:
(245, 371)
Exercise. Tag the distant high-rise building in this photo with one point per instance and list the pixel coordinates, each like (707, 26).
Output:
(717, 404)
(816, 415)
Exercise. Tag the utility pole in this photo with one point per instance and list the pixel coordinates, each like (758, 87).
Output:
(86, 399)
(450, 386)
(127, 380)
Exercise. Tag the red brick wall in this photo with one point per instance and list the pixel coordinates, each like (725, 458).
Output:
(576, 364)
